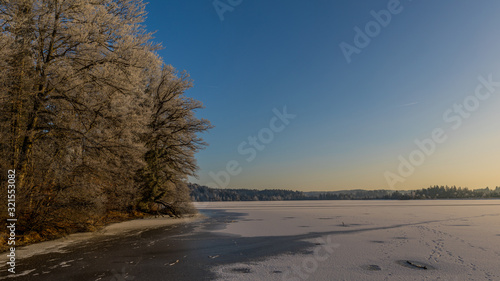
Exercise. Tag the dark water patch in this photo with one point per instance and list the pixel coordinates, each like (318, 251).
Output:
(372, 267)
(217, 220)
(241, 270)
(288, 218)
(325, 218)
(183, 252)
(344, 224)
(401, 238)
(277, 271)
(413, 264)
(304, 226)
(377, 241)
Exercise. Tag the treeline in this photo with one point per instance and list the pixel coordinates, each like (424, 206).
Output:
(434, 192)
(445, 192)
(203, 193)
(93, 122)
(360, 195)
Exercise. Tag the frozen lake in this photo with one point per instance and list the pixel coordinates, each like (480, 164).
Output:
(366, 240)
(287, 240)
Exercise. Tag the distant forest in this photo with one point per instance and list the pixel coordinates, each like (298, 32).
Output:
(201, 193)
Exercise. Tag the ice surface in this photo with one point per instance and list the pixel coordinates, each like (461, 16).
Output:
(370, 240)
(59, 245)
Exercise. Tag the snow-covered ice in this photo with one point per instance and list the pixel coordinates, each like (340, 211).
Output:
(370, 240)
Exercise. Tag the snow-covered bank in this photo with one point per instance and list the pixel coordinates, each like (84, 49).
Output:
(370, 240)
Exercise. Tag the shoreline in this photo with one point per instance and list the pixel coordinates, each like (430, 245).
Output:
(135, 226)
(184, 249)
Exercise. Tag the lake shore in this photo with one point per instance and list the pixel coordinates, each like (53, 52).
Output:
(113, 229)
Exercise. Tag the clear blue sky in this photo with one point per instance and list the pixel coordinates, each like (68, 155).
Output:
(353, 120)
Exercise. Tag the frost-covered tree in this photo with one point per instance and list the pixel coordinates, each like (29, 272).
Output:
(80, 88)
(171, 139)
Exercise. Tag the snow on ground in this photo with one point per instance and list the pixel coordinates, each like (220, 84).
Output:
(371, 240)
